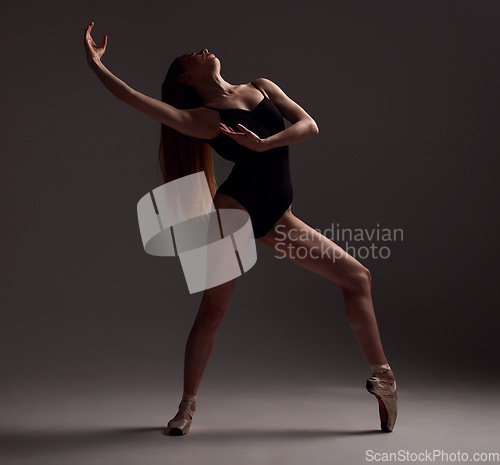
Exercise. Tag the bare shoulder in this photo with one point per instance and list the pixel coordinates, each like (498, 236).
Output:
(270, 88)
(290, 109)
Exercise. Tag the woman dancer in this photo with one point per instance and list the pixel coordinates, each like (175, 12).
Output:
(199, 111)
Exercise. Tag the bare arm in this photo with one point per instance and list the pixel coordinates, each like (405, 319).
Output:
(193, 122)
(115, 85)
(303, 126)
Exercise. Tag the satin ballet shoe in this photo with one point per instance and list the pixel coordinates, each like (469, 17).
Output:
(181, 427)
(385, 392)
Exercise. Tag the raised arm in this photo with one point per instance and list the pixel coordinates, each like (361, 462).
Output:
(193, 122)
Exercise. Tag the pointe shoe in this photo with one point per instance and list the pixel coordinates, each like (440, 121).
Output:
(181, 427)
(385, 392)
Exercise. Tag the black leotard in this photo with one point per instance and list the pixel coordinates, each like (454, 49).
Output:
(260, 181)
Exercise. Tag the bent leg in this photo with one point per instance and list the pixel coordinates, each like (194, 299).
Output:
(303, 245)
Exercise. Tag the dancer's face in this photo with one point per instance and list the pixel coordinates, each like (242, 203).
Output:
(199, 64)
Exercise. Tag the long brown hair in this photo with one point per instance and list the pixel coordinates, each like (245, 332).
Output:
(181, 155)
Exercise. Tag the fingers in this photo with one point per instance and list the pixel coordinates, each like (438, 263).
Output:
(246, 131)
(242, 127)
(228, 129)
(87, 30)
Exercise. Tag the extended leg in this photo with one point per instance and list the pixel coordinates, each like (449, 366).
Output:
(291, 235)
(326, 258)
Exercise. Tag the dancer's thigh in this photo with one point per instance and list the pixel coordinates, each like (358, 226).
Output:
(294, 239)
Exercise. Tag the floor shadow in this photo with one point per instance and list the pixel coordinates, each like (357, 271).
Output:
(29, 442)
(32, 442)
(199, 435)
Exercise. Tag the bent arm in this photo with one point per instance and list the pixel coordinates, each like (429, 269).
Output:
(303, 126)
(187, 122)
(297, 132)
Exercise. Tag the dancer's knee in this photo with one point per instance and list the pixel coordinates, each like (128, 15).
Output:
(210, 316)
(214, 305)
(358, 283)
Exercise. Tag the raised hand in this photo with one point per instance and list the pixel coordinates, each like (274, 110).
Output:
(246, 137)
(93, 51)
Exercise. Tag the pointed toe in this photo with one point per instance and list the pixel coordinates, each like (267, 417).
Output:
(386, 393)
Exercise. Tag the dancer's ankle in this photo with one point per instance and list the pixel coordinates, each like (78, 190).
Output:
(188, 396)
(382, 370)
(191, 398)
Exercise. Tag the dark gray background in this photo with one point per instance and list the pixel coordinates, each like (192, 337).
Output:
(406, 98)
